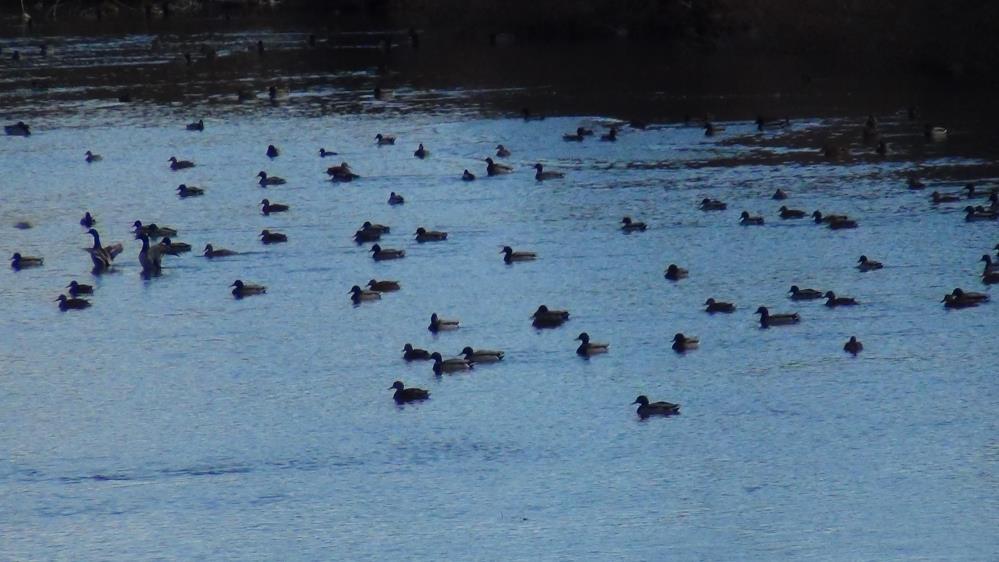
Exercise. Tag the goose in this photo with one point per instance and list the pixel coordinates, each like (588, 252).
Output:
(646, 409)
(272, 151)
(411, 353)
(805, 294)
(19, 129)
(268, 237)
(451, 365)
(786, 213)
(421, 152)
(767, 319)
(611, 135)
(179, 164)
(682, 343)
(628, 225)
(969, 296)
(381, 254)
(820, 218)
(546, 318)
(150, 257)
(88, 221)
(842, 224)
(714, 306)
(91, 157)
(72, 304)
(937, 197)
(950, 301)
(935, 133)
(542, 175)
(708, 204)
(424, 235)
(990, 266)
(833, 301)
(358, 294)
(211, 252)
(779, 195)
(853, 346)
(865, 264)
(395, 199)
(587, 348)
(19, 262)
(323, 153)
(153, 230)
(438, 324)
(467, 176)
(174, 248)
(198, 125)
(494, 169)
(481, 355)
(242, 289)
(269, 207)
(745, 219)
(184, 191)
(578, 136)
(383, 140)
(384, 286)
(675, 273)
(102, 256)
(77, 289)
(502, 152)
(403, 394)
(266, 180)
(510, 256)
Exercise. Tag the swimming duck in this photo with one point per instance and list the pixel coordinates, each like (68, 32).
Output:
(184, 191)
(421, 152)
(179, 164)
(152, 230)
(542, 175)
(246, 289)
(382, 140)
(403, 394)
(269, 207)
(19, 262)
(395, 199)
(424, 235)
(358, 294)
(272, 151)
(266, 180)
(77, 289)
(578, 136)
(779, 195)
(102, 256)
(746, 220)
(628, 225)
(935, 133)
(682, 343)
(438, 324)
(411, 353)
(786, 213)
(174, 248)
(842, 224)
(510, 256)
(950, 301)
(675, 273)
(546, 318)
(502, 152)
(383, 286)
(972, 191)
(88, 221)
(494, 169)
(368, 225)
(380, 254)
(467, 176)
(937, 197)
(150, 257)
(211, 252)
(611, 135)
(710, 129)
(19, 129)
(990, 267)
(970, 296)
(853, 346)
(341, 173)
(481, 355)
(275, 93)
(451, 365)
(833, 301)
(528, 116)
(979, 213)
(805, 294)
(714, 306)
(587, 348)
(767, 319)
(268, 237)
(72, 304)
(323, 153)
(91, 157)
(864, 264)
(767, 124)
(914, 184)
(708, 204)
(367, 235)
(646, 409)
(199, 125)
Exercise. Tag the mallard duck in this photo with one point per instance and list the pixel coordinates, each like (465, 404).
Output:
(853, 346)
(611, 135)
(199, 125)
(937, 197)
(381, 254)
(542, 175)
(421, 152)
(88, 221)
(411, 353)
(950, 301)
(510, 256)
(578, 136)
(323, 153)
(833, 301)
(383, 140)
(174, 248)
(502, 152)
(241, 289)
(467, 176)
(494, 169)
(383, 286)
(72, 304)
(153, 230)
(779, 195)
(452, 365)
(481, 355)
(438, 324)
(745, 219)
(820, 218)
(970, 296)
(646, 409)
(266, 180)
(675, 273)
(865, 264)
(805, 294)
(395, 199)
(545, 318)
(268, 237)
(91, 157)
(150, 257)
(358, 294)
(628, 225)
(403, 394)
(19, 129)
(716, 306)
(990, 267)
(269, 207)
(424, 235)
(842, 224)
(77, 289)
(935, 133)
(682, 343)
(102, 256)
(368, 225)
(272, 151)
(211, 252)
(341, 173)
(179, 164)
(708, 204)
(767, 319)
(367, 235)
(18, 262)
(587, 348)
(184, 191)
(786, 213)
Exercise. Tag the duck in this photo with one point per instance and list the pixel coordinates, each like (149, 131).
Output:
(714, 306)
(767, 319)
(610, 136)
(502, 151)
(786, 213)
(937, 197)
(77, 289)
(865, 264)
(88, 221)
(510, 256)
(241, 289)
(91, 157)
(842, 224)
(853, 346)
(647, 409)
(410, 353)
(150, 257)
(323, 153)
(452, 365)
(179, 164)
(821, 219)
(467, 176)
(972, 191)
(421, 152)
(102, 256)
(381, 254)
(833, 301)
(266, 180)
(403, 394)
(542, 175)
(438, 324)
(211, 252)
(19, 262)
(675, 273)
(914, 184)
(275, 93)
(368, 225)
(766, 123)
(383, 286)
(779, 195)
(528, 116)
(745, 219)
(342, 173)
(424, 235)
(682, 343)
(269, 207)
(174, 248)
(798, 294)
(976, 214)
(587, 348)
(184, 191)
(481, 355)
(969, 296)
(935, 133)
(367, 235)
(153, 230)
(494, 169)
(990, 266)
(950, 301)
(710, 129)
(578, 136)
(628, 225)
(383, 140)
(395, 199)
(268, 237)
(198, 125)
(272, 151)
(72, 304)
(546, 318)
(19, 129)
(708, 204)
(358, 294)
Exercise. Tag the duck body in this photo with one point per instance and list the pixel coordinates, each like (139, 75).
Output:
(833, 301)
(19, 262)
(323, 153)
(438, 324)
(542, 175)
(168, 246)
(502, 152)
(421, 152)
(266, 180)
(272, 151)
(647, 409)
(979, 214)
(341, 173)
(587, 348)
(745, 219)
(385, 286)
(403, 395)
(628, 225)
(481, 355)
(494, 169)
(241, 289)
(510, 256)
(937, 197)
(786, 213)
(102, 257)
(395, 199)
(211, 252)
(410, 353)
(184, 191)
(546, 318)
(682, 343)
(91, 157)
(767, 319)
(826, 219)
(268, 207)
(452, 365)
(424, 235)
(268, 237)
(382, 140)
(467, 176)
(367, 235)
(358, 295)
(853, 346)
(865, 264)
(199, 125)
(72, 304)
(179, 164)
(675, 272)
(578, 136)
(798, 294)
(779, 195)
(153, 230)
(77, 289)
(843, 224)
(381, 254)
(19, 129)
(708, 204)
(951, 301)
(713, 306)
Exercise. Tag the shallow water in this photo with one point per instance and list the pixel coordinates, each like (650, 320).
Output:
(172, 421)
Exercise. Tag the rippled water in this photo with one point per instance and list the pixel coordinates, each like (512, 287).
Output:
(172, 421)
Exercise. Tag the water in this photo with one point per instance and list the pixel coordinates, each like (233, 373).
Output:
(172, 421)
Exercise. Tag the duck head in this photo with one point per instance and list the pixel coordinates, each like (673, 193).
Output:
(583, 337)
(541, 310)
(376, 248)
(237, 283)
(643, 400)
(397, 385)
(679, 338)
(762, 310)
(467, 350)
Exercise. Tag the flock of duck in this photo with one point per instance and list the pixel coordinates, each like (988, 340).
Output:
(152, 254)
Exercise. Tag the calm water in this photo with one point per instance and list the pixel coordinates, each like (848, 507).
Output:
(170, 421)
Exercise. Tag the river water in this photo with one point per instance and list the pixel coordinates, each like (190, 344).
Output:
(172, 421)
